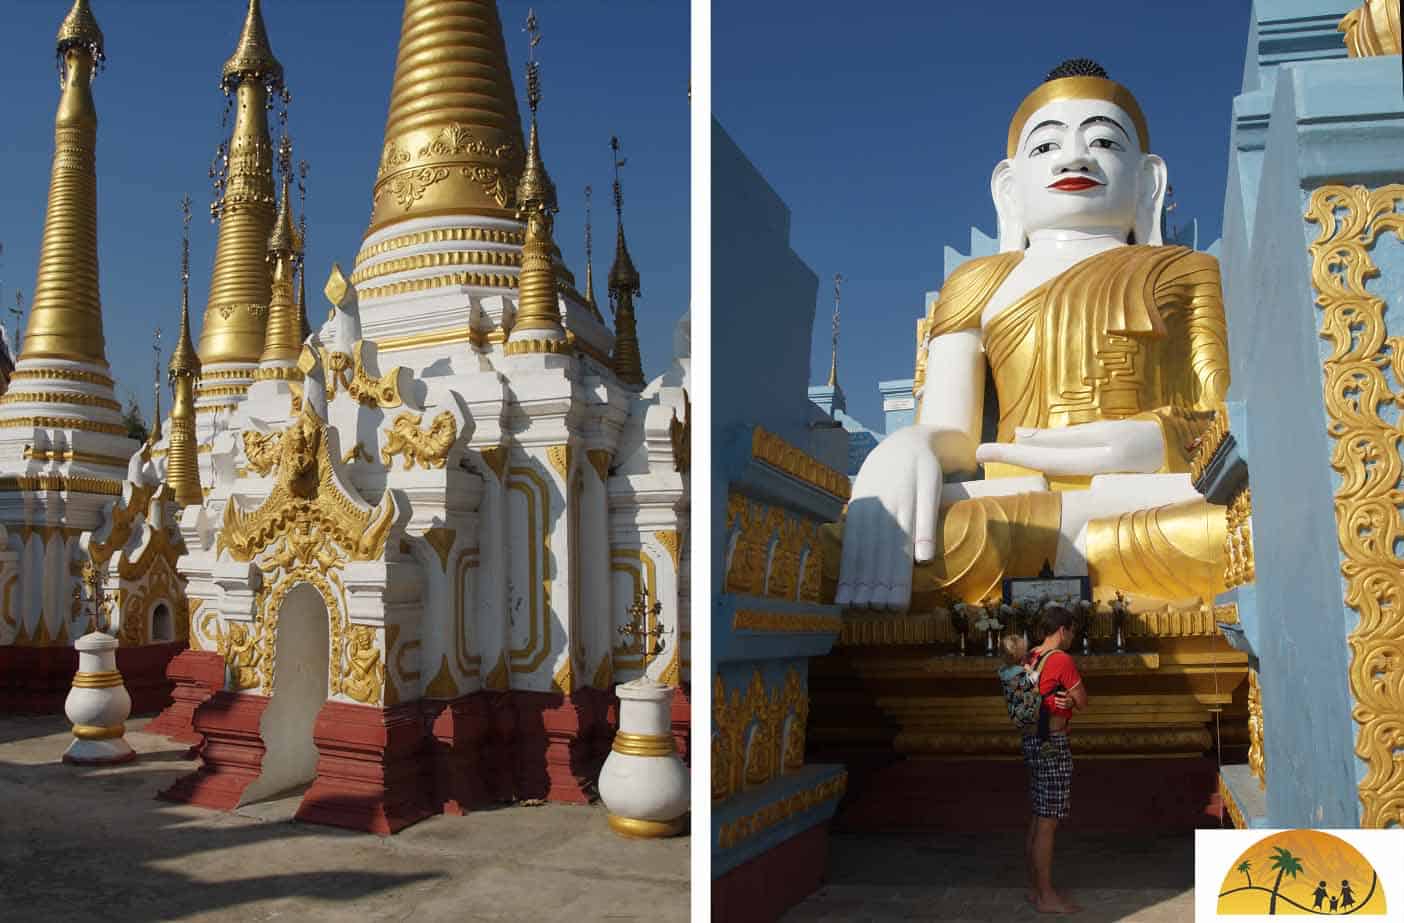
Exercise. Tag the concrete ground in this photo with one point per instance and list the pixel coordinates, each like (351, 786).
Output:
(972, 877)
(80, 844)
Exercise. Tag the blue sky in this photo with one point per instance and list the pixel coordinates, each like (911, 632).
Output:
(879, 126)
(618, 67)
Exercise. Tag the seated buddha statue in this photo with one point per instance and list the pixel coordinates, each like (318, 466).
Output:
(1108, 352)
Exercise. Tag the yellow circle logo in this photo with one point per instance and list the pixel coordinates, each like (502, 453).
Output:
(1302, 872)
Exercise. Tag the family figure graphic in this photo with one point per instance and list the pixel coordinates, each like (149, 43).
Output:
(1340, 901)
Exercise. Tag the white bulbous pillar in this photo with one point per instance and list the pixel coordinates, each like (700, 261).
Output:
(644, 783)
(98, 704)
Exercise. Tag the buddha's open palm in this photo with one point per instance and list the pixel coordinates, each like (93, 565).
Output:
(1104, 447)
(891, 520)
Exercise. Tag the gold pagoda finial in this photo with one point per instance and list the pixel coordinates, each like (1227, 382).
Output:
(155, 435)
(65, 313)
(537, 326)
(80, 29)
(253, 56)
(237, 311)
(182, 459)
(623, 288)
(590, 301)
(453, 136)
(833, 361)
(283, 339)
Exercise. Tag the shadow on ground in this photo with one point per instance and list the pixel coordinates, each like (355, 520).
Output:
(980, 877)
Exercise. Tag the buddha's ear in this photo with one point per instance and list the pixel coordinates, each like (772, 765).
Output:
(1011, 225)
(1150, 200)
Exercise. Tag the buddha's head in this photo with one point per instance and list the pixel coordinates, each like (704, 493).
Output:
(1079, 159)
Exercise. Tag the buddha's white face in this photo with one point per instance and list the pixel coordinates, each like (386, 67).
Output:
(1079, 166)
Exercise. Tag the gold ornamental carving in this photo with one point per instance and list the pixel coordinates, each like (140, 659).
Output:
(262, 449)
(559, 457)
(363, 675)
(671, 540)
(768, 548)
(382, 392)
(44, 422)
(25, 483)
(495, 457)
(743, 828)
(61, 374)
(17, 396)
(1206, 444)
(476, 279)
(441, 236)
(1231, 807)
(1372, 29)
(785, 622)
(1356, 389)
(308, 498)
(779, 454)
(1256, 754)
(756, 736)
(1238, 541)
(428, 448)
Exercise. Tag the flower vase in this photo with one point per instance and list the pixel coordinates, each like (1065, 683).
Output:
(1086, 642)
(960, 640)
(989, 642)
(1120, 643)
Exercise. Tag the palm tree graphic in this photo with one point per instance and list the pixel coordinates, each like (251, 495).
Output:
(1243, 868)
(1286, 864)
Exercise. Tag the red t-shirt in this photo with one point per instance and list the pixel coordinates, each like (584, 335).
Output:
(1058, 669)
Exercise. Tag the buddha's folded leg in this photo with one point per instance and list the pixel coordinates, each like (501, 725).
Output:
(1173, 552)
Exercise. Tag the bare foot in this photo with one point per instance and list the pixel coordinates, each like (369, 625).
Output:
(1055, 904)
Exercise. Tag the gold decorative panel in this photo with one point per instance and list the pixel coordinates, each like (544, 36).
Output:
(758, 736)
(1356, 389)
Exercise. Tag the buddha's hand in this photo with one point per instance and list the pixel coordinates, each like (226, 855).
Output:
(891, 519)
(1104, 447)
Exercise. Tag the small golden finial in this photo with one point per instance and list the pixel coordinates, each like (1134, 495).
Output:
(833, 362)
(535, 191)
(284, 237)
(253, 55)
(623, 288)
(79, 29)
(590, 301)
(184, 360)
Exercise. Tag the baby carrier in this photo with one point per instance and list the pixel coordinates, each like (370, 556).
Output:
(1021, 695)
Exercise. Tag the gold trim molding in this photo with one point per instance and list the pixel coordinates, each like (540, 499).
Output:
(89, 426)
(20, 396)
(785, 622)
(59, 374)
(778, 453)
(743, 828)
(1367, 456)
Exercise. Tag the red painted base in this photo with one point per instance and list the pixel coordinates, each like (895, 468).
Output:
(232, 752)
(1108, 795)
(760, 890)
(381, 770)
(197, 675)
(36, 680)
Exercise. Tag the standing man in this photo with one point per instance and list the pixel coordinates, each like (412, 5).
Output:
(1049, 759)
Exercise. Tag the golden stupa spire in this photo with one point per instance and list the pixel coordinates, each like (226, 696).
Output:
(623, 288)
(282, 341)
(537, 326)
(182, 459)
(453, 137)
(590, 301)
(65, 312)
(236, 315)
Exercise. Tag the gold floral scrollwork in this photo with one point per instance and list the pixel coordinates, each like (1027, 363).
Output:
(429, 447)
(750, 525)
(1367, 457)
(363, 677)
(261, 449)
(409, 187)
(383, 392)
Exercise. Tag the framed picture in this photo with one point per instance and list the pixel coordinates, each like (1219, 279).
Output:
(1022, 589)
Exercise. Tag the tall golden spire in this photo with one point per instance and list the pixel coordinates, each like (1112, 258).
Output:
(182, 459)
(65, 313)
(282, 341)
(453, 138)
(623, 288)
(236, 315)
(590, 301)
(537, 326)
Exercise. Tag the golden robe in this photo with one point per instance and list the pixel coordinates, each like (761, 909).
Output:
(1137, 332)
